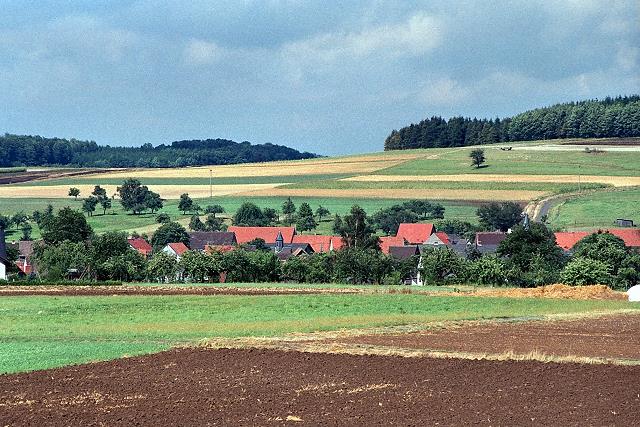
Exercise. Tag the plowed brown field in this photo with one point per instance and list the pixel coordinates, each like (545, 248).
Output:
(266, 387)
(611, 337)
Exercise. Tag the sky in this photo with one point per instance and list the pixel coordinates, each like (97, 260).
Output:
(323, 76)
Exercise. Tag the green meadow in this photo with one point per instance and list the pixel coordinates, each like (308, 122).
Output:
(40, 332)
(597, 209)
(521, 161)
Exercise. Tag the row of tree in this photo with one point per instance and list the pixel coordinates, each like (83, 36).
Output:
(610, 117)
(27, 150)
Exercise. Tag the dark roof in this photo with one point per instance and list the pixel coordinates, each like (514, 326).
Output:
(291, 247)
(490, 238)
(199, 239)
(3, 249)
(404, 252)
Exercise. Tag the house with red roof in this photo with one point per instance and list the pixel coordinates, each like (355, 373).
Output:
(319, 243)
(175, 249)
(568, 239)
(268, 234)
(140, 245)
(415, 234)
(439, 238)
(388, 241)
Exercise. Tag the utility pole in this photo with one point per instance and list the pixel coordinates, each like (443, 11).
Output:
(579, 180)
(210, 184)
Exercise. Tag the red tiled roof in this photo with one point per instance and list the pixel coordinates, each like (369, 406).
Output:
(415, 233)
(179, 248)
(140, 245)
(443, 237)
(387, 242)
(567, 240)
(631, 236)
(268, 234)
(319, 243)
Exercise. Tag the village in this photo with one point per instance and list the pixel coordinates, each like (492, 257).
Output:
(419, 252)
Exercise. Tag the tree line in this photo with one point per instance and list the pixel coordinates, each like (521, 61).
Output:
(27, 150)
(607, 118)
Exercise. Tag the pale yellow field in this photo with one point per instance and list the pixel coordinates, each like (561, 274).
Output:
(616, 181)
(434, 194)
(354, 164)
(165, 191)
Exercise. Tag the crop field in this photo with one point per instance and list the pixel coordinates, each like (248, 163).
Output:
(529, 172)
(216, 358)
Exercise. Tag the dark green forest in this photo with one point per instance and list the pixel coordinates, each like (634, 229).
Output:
(24, 150)
(607, 118)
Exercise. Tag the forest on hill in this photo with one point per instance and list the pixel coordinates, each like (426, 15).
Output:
(607, 118)
(26, 150)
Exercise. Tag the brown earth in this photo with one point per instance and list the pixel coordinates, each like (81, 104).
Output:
(266, 387)
(611, 337)
(161, 290)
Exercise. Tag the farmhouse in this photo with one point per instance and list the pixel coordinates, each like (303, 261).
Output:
(568, 239)
(284, 251)
(268, 234)
(4, 260)
(415, 234)
(142, 246)
(175, 249)
(387, 242)
(212, 240)
(488, 242)
(319, 243)
(402, 253)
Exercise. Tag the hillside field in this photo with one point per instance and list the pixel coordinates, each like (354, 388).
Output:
(527, 172)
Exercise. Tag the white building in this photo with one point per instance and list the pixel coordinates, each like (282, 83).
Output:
(4, 261)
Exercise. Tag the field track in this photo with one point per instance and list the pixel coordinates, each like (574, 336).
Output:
(270, 387)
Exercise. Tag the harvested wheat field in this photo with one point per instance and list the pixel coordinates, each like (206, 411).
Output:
(616, 181)
(267, 387)
(353, 164)
(560, 291)
(432, 194)
(610, 338)
(167, 191)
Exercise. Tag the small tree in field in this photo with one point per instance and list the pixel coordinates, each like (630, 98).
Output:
(477, 157)
(322, 212)
(74, 192)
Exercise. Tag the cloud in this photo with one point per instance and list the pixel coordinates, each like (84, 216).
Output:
(444, 92)
(201, 52)
(416, 36)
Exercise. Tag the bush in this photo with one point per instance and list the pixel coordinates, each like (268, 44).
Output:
(488, 270)
(585, 271)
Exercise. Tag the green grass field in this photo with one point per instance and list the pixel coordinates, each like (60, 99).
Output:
(117, 219)
(522, 162)
(41, 332)
(598, 209)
